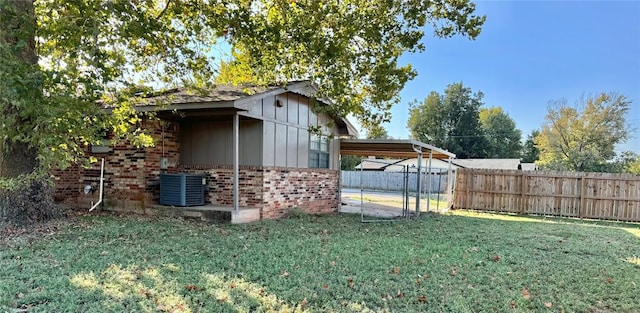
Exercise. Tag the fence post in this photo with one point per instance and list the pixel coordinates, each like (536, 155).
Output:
(523, 194)
(468, 181)
(583, 199)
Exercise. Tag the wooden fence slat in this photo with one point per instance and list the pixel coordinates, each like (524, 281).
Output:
(585, 195)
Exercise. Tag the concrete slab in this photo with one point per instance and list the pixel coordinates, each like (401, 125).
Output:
(369, 209)
(214, 213)
(245, 216)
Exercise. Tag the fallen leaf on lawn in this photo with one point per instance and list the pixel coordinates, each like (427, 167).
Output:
(20, 295)
(609, 280)
(193, 287)
(233, 285)
(332, 263)
(325, 287)
(472, 249)
(284, 273)
(496, 258)
(513, 305)
(453, 272)
(418, 281)
(303, 303)
(103, 253)
(422, 299)
(350, 282)
(396, 270)
(548, 304)
(160, 308)
(145, 293)
(399, 294)
(525, 293)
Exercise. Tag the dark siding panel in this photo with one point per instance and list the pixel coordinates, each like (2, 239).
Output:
(211, 143)
(218, 143)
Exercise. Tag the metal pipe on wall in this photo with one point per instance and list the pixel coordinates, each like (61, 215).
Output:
(101, 187)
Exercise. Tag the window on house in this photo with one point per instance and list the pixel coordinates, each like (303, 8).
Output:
(319, 151)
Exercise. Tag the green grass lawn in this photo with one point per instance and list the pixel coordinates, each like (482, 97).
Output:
(461, 262)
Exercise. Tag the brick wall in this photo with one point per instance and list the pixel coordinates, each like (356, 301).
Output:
(311, 190)
(274, 189)
(220, 185)
(131, 174)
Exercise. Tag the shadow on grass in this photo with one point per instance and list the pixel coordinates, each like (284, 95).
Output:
(149, 290)
(457, 262)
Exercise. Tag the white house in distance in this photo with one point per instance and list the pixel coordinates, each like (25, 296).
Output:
(398, 165)
(437, 165)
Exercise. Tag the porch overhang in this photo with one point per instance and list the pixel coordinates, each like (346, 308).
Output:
(402, 148)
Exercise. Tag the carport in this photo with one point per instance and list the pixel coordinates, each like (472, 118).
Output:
(399, 148)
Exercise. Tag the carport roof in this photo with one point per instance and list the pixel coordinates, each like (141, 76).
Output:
(391, 148)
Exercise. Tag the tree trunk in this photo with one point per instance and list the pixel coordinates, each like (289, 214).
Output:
(29, 199)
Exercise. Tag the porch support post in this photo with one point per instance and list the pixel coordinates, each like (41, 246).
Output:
(236, 160)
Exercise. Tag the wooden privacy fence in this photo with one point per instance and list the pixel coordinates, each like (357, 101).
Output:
(585, 195)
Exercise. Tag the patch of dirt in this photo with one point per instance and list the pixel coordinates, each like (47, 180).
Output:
(18, 235)
(12, 235)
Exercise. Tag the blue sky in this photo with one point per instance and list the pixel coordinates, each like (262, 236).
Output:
(530, 52)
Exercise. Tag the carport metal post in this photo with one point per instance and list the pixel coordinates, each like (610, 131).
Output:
(430, 180)
(405, 191)
(450, 185)
(418, 191)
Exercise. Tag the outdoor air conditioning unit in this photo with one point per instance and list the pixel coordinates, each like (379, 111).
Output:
(182, 189)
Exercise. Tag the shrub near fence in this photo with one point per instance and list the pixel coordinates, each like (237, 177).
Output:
(585, 195)
(392, 181)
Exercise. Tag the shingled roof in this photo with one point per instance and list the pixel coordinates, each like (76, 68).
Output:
(221, 93)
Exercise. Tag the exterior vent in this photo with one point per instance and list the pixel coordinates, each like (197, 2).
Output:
(182, 189)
